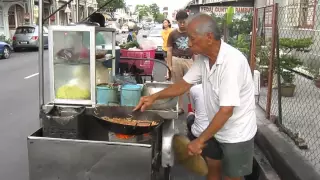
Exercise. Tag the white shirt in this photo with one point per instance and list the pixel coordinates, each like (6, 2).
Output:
(201, 118)
(228, 83)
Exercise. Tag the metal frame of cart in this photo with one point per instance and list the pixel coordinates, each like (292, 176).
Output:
(58, 158)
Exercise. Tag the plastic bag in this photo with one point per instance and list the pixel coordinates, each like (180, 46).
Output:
(147, 44)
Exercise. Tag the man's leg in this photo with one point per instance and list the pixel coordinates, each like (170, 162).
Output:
(215, 170)
(237, 159)
(177, 75)
(213, 156)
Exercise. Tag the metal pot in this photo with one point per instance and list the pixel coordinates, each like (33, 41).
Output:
(163, 104)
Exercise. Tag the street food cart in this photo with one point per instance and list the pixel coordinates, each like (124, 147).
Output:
(75, 141)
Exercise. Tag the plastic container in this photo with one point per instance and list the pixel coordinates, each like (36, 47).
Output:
(107, 95)
(130, 94)
(145, 65)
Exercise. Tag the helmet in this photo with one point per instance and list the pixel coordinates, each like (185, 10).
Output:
(132, 25)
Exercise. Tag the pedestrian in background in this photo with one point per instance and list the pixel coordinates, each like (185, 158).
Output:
(166, 26)
(179, 55)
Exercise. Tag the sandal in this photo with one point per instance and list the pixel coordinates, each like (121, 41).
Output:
(180, 111)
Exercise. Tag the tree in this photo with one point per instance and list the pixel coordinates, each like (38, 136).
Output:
(142, 11)
(160, 17)
(154, 10)
(112, 6)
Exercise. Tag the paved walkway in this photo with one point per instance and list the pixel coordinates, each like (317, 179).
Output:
(301, 114)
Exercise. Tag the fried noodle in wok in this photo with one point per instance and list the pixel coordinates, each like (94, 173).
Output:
(130, 121)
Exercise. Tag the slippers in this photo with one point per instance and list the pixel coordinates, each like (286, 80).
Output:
(180, 111)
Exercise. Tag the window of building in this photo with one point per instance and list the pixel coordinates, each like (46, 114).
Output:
(307, 13)
(301, 13)
(268, 13)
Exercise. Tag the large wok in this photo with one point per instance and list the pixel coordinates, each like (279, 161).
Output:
(126, 112)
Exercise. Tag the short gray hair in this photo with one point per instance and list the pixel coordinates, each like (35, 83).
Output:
(207, 26)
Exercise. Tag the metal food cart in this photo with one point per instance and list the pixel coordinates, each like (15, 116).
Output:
(84, 149)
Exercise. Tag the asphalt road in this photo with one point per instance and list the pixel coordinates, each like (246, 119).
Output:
(19, 110)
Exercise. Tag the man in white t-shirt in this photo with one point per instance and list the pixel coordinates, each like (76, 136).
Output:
(197, 121)
(228, 89)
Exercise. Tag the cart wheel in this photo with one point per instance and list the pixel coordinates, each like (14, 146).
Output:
(167, 173)
(151, 78)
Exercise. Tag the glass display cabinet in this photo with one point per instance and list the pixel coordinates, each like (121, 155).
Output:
(76, 58)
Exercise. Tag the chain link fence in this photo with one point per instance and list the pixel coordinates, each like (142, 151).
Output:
(287, 54)
(264, 55)
(299, 64)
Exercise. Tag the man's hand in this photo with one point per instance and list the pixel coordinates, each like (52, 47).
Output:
(145, 102)
(195, 147)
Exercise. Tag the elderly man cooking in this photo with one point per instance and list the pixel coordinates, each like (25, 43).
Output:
(228, 141)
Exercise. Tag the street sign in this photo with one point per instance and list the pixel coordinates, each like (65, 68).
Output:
(221, 10)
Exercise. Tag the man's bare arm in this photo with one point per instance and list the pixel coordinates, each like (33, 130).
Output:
(172, 91)
(217, 123)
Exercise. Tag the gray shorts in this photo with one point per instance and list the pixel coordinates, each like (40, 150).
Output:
(236, 158)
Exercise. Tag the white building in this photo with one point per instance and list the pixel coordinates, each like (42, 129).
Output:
(14, 13)
(69, 14)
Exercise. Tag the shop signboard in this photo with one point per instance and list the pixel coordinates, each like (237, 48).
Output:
(221, 10)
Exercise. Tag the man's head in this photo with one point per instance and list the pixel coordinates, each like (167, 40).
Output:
(203, 33)
(181, 18)
(98, 18)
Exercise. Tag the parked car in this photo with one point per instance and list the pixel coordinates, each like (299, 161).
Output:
(5, 50)
(155, 35)
(27, 37)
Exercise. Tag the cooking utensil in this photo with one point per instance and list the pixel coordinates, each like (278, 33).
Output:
(162, 104)
(126, 112)
(195, 163)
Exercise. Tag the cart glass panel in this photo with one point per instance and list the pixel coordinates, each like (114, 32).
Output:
(71, 63)
(104, 56)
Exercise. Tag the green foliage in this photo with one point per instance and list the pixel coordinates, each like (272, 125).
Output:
(229, 16)
(242, 44)
(288, 61)
(115, 4)
(154, 10)
(160, 17)
(4, 39)
(302, 44)
(287, 77)
(142, 10)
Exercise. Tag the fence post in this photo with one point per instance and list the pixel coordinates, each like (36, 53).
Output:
(278, 70)
(253, 40)
(271, 61)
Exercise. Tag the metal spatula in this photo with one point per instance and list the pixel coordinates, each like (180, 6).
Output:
(195, 163)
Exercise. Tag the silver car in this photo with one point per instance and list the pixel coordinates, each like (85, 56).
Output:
(27, 37)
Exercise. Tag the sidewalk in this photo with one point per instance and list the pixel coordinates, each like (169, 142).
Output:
(301, 114)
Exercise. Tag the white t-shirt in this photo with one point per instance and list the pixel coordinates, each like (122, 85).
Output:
(229, 82)
(201, 118)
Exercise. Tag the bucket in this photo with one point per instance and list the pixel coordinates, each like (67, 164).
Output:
(107, 95)
(130, 94)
